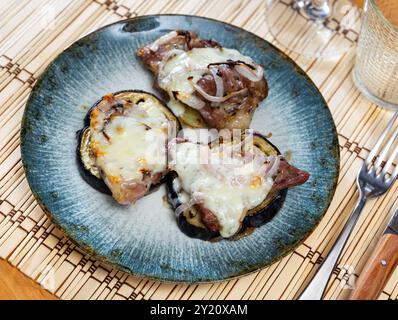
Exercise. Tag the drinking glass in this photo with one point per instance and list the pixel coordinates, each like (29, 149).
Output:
(314, 28)
(376, 66)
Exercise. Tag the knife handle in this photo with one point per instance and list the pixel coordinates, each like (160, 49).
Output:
(378, 269)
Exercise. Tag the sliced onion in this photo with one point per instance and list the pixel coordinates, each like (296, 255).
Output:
(253, 75)
(219, 82)
(271, 170)
(211, 98)
(195, 199)
(163, 39)
(181, 208)
(176, 141)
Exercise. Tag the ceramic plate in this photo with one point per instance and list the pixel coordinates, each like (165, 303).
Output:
(144, 239)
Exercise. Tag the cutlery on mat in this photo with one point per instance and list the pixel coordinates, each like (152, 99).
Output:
(380, 265)
(372, 181)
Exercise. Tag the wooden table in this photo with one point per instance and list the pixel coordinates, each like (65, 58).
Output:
(14, 285)
(33, 33)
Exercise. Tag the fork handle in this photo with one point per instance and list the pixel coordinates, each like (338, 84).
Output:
(378, 269)
(317, 286)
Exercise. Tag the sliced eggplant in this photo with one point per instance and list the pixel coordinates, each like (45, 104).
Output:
(190, 221)
(86, 163)
(192, 118)
(98, 120)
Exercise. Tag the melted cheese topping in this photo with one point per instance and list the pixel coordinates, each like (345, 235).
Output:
(225, 184)
(132, 143)
(178, 72)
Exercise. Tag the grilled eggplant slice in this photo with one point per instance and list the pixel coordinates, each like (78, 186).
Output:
(86, 163)
(122, 149)
(198, 222)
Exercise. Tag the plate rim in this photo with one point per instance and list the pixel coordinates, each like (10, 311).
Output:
(87, 248)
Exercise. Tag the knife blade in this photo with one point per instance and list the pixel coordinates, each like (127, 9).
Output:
(392, 226)
(380, 265)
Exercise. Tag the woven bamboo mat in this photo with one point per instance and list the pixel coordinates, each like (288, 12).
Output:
(32, 33)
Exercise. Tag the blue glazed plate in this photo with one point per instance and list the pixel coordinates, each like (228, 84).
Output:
(144, 239)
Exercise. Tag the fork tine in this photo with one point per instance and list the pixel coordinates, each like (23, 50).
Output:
(385, 150)
(381, 139)
(394, 175)
(390, 161)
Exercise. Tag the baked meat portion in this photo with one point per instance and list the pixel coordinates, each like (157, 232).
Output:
(224, 86)
(287, 176)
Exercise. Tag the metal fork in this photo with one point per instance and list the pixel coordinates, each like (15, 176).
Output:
(370, 184)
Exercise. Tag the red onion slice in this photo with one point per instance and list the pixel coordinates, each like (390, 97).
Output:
(270, 170)
(211, 98)
(162, 40)
(195, 199)
(181, 208)
(219, 82)
(253, 75)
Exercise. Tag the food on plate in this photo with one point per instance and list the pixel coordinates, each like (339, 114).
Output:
(207, 85)
(122, 147)
(221, 187)
(240, 186)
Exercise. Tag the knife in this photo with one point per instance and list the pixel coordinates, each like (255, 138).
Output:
(380, 265)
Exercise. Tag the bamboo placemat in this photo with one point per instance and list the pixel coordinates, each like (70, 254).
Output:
(32, 33)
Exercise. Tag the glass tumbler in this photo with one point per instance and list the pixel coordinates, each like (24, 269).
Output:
(376, 67)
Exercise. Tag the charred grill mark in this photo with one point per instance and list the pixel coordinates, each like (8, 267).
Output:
(108, 97)
(188, 39)
(107, 137)
(145, 172)
(213, 44)
(118, 107)
(232, 63)
(115, 110)
(192, 40)
(216, 64)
